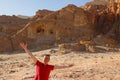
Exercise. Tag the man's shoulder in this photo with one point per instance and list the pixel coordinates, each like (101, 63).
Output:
(38, 62)
(51, 67)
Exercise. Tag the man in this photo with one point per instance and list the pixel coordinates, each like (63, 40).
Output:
(42, 69)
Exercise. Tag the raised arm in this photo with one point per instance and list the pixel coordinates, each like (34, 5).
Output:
(62, 67)
(24, 46)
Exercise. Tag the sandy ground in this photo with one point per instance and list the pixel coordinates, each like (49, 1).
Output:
(87, 66)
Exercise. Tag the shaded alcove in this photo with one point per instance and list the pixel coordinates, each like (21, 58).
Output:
(40, 30)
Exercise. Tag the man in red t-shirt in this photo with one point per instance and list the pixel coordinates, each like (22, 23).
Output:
(42, 69)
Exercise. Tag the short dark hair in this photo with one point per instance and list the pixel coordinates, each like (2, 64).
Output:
(47, 55)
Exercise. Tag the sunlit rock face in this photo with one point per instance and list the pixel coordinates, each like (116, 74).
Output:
(69, 24)
(10, 24)
(41, 14)
(97, 20)
(107, 22)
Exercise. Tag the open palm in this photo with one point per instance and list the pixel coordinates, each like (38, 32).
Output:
(23, 45)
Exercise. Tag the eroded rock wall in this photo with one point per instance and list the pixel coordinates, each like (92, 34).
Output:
(93, 22)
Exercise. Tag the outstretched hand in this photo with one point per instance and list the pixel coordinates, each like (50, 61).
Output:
(23, 45)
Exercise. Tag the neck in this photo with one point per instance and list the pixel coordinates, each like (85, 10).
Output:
(45, 63)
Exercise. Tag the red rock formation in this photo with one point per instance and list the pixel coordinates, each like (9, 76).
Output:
(9, 25)
(66, 25)
(107, 22)
(70, 24)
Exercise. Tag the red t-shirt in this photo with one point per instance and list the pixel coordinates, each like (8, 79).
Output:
(42, 71)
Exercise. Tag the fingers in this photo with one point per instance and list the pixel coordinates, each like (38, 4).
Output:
(21, 42)
(23, 45)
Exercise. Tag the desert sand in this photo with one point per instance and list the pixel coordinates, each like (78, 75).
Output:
(87, 66)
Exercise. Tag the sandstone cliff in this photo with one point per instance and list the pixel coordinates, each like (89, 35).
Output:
(93, 22)
(69, 24)
(107, 22)
(9, 25)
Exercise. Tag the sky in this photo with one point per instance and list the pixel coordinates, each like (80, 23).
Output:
(29, 7)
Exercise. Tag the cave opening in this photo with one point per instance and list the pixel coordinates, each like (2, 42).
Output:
(40, 30)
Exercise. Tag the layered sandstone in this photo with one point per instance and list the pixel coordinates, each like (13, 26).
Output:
(94, 22)
(107, 22)
(69, 24)
(9, 25)
(41, 14)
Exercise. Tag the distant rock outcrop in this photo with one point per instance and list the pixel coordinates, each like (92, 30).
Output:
(24, 17)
